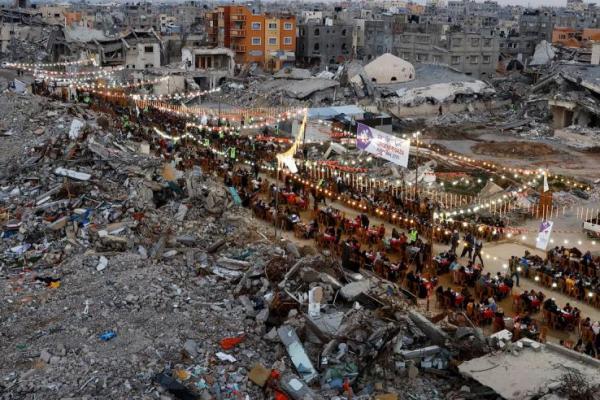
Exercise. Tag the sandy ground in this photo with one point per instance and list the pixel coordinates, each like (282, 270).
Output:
(565, 161)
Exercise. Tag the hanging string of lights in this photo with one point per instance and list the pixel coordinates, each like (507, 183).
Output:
(114, 85)
(251, 118)
(51, 65)
(100, 72)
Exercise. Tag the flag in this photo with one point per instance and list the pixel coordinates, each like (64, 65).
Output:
(543, 237)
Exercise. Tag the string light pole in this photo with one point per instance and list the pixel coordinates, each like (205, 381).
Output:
(416, 136)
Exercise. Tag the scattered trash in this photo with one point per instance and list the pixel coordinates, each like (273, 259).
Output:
(175, 388)
(226, 357)
(107, 335)
(230, 343)
(102, 264)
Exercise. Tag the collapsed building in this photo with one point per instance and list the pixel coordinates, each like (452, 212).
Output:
(572, 92)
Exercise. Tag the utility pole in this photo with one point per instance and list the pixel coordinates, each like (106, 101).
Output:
(416, 135)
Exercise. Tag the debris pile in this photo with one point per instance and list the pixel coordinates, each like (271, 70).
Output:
(126, 277)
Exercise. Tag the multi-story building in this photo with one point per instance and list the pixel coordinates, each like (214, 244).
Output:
(472, 51)
(264, 39)
(141, 17)
(324, 42)
(379, 38)
(54, 15)
(571, 37)
(534, 26)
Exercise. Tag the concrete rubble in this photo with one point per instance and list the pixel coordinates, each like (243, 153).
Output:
(127, 278)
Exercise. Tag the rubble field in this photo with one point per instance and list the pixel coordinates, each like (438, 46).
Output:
(127, 278)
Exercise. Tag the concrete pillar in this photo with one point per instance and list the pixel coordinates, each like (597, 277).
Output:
(559, 117)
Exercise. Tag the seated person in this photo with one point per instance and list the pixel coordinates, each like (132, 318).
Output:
(311, 229)
(568, 308)
(526, 320)
(550, 305)
(492, 304)
(381, 230)
(526, 300)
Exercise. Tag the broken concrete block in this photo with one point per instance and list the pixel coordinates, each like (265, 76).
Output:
(262, 316)
(80, 176)
(418, 353)
(352, 290)
(271, 336)
(259, 375)
(59, 224)
(102, 264)
(296, 351)
(191, 347)
(315, 298)
(413, 371)
(297, 389)
(45, 356)
(292, 249)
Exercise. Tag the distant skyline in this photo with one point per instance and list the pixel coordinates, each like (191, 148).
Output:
(524, 3)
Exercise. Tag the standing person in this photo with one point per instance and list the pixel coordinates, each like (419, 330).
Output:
(419, 260)
(364, 220)
(513, 266)
(468, 249)
(477, 253)
(454, 241)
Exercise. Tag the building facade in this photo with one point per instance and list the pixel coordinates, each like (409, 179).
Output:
(324, 42)
(264, 39)
(473, 51)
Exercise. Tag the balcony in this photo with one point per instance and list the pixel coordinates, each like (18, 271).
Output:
(239, 49)
(238, 33)
(238, 17)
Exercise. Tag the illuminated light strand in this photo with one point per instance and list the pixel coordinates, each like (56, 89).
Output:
(50, 65)
(516, 172)
(99, 72)
(243, 114)
(175, 96)
(280, 118)
(121, 95)
(122, 85)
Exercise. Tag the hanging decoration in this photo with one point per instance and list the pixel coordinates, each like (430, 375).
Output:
(50, 65)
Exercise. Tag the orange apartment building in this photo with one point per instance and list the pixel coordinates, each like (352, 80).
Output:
(570, 37)
(268, 40)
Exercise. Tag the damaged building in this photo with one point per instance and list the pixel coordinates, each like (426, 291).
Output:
(573, 94)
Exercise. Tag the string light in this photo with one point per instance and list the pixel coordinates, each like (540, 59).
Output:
(119, 85)
(50, 65)
(45, 74)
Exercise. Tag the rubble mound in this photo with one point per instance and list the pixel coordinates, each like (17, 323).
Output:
(513, 149)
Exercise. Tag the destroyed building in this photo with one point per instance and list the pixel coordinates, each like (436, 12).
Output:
(324, 42)
(573, 95)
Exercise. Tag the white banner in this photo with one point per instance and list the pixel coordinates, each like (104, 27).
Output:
(543, 237)
(382, 145)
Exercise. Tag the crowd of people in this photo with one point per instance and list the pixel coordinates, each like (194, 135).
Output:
(361, 244)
